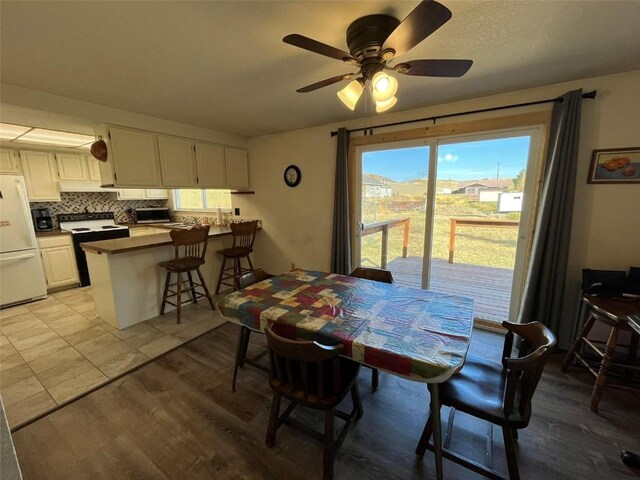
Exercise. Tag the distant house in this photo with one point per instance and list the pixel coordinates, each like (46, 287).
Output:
(474, 187)
(372, 188)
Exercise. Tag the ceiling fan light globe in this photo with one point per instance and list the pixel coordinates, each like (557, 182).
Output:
(350, 94)
(384, 87)
(386, 105)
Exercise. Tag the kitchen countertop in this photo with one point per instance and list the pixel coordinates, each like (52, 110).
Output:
(129, 244)
(52, 233)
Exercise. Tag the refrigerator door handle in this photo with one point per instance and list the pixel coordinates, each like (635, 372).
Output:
(19, 257)
(27, 216)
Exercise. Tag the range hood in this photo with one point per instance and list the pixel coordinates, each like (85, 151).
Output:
(82, 186)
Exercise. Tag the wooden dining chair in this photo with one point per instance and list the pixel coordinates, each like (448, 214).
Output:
(245, 281)
(189, 247)
(315, 376)
(244, 235)
(497, 392)
(377, 275)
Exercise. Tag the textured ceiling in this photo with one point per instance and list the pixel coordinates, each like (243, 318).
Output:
(223, 66)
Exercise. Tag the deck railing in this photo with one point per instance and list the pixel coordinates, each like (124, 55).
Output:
(384, 227)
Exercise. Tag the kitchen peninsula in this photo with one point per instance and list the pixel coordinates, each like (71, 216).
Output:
(126, 280)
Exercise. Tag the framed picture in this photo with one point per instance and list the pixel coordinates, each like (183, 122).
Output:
(615, 165)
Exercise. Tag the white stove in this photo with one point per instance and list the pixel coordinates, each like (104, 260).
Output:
(90, 227)
(88, 222)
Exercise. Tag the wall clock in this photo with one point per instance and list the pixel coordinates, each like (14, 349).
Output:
(292, 176)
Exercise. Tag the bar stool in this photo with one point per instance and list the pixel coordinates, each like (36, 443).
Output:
(244, 234)
(615, 314)
(189, 249)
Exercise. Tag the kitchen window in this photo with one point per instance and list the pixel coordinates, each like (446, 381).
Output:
(197, 199)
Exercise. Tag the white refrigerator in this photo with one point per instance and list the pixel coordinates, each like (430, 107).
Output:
(21, 273)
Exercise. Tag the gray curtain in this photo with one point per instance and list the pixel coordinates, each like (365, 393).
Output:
(341, 241)
(545, 281)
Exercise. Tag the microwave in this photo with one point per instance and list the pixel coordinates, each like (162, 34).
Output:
(152, 215)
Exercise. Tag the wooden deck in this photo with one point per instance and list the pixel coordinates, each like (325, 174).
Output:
(490, 287)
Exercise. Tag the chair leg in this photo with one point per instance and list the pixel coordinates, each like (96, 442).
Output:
(239, 356)
(224, 264)
(273, 420)
(165, 292)
(583, 334)
(357, 401)
(425, 437)
(601, 379)
(179, 296)
(510, 450)
(375, 379)
(193, 288)
(236, 274)
(245, 345)
(327, 461)
(250, 264)
(515, 434)
(206, 290)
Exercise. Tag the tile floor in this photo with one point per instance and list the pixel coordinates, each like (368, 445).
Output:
(55, 349)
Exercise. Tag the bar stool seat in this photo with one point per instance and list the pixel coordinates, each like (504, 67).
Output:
(189, 247)
(244, 235)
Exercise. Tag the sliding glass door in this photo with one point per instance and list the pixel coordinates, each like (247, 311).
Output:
(452, 214)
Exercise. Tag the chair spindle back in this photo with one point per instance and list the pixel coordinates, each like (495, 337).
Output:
(191, 243)
(304, 368)
(244, 233)
(524, 371)
(375, 274)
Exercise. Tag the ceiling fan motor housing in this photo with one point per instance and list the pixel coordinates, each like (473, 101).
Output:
(366, 35)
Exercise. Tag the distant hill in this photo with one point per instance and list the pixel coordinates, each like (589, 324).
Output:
(372, 178)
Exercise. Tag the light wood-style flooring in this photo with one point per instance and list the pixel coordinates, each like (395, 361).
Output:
(490, 287)
(56, 349)
(176, 418)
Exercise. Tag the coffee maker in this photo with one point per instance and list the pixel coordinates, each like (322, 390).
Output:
(42, 219)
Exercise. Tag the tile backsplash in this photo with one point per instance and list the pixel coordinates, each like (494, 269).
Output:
(77, 202)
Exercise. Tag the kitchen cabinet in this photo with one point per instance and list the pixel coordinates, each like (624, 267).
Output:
(72, 167)
(210, 165)
(10, 162)
(40, 176)
(134, 154)
(58, 260)
(177, 162)
(142, 194)
(139, 231)
(93, 166)
(236, 167)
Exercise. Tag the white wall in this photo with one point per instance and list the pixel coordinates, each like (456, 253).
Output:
(297, 222)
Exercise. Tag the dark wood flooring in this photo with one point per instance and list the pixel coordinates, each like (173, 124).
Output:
(177, 419)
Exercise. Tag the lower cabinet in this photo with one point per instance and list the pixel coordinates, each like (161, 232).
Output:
(58, 260)
(139, 231)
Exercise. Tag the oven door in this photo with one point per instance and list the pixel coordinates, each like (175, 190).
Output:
(81, 258)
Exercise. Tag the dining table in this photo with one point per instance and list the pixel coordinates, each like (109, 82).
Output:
(417, 334)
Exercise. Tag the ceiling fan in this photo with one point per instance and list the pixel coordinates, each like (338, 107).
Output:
(376, 40)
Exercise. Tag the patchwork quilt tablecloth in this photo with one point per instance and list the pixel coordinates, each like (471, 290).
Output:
(414, 333)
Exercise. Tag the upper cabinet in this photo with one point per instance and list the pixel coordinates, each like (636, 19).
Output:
(10, 162)
(72, 167)
(210, 165)
(177, 162)
(145, 159)
(237, 167)
(135, 157)
(40, 176)
(93, 166)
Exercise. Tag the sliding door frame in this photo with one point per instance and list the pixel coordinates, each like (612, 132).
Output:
(537, 120)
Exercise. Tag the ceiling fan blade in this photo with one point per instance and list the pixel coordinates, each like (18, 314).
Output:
(326, 82)
(425, 19)
(434, 68)
(318, 47)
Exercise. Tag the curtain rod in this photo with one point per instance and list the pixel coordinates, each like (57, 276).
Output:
(438, 117)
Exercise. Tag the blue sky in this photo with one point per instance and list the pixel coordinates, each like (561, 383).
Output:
(460, 161)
